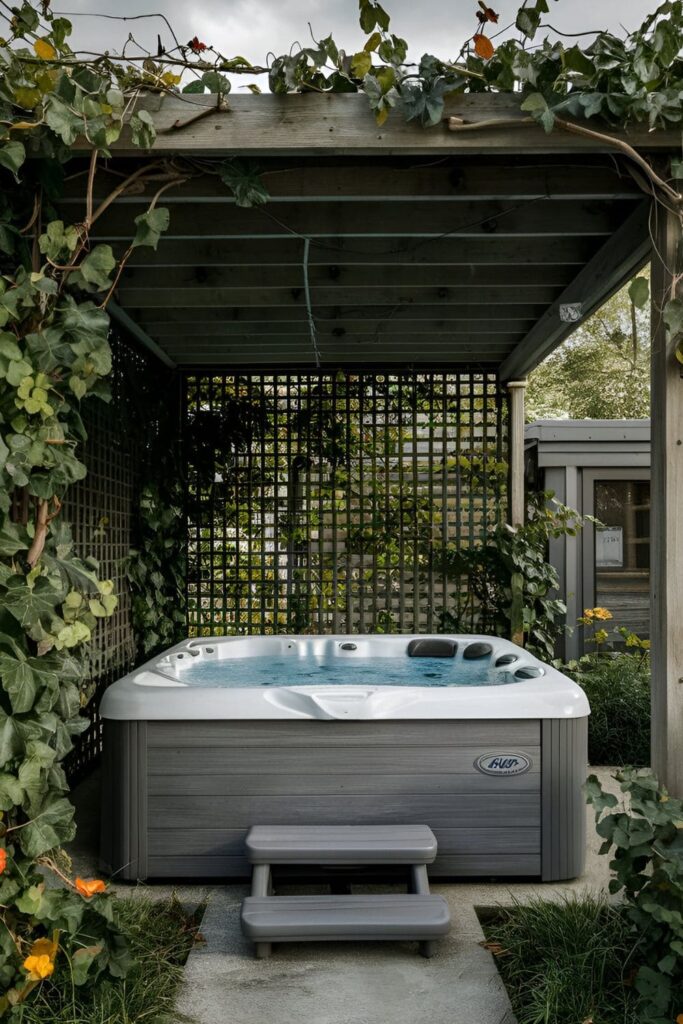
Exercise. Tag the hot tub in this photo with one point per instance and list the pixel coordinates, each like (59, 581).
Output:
(470, 735)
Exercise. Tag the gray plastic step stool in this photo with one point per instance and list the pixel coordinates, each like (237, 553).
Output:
(417, 915)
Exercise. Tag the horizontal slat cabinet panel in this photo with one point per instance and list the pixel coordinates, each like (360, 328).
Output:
(326, 734)
(319, 761)
(438, 810)
(469, 781)
(216, 842)
(464, 865)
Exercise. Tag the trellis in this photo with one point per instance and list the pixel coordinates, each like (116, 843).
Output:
(101, 510)
(333, 502)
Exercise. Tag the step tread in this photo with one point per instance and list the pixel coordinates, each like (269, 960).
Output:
(341, 844)
(297, 918)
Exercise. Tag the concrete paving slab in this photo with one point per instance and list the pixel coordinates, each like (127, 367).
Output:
(344, 983)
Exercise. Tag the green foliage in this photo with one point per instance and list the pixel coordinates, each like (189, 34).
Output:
(509, 580)
(618, 689)
(566, 961)
(645, 837)
(54, 355)
(156, 568)
(603, 370)
(160, 934)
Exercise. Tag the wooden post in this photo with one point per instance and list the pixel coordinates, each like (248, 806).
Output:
(516, 446)
(517, 503)
(666, 518)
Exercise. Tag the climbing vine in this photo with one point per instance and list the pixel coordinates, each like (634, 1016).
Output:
(54, 355)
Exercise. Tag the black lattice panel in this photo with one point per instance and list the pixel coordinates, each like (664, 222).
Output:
(101, 511)
(330, 502)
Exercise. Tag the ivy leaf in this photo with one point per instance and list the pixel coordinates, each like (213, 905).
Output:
(44, 49)
(83, 320)
(18, 682)
(97, 266)
(142, 129)
(48, 349)
(51, 827)
(61, 119)
(150, 225)
(194, 87)
(639, 292)
(29, 604)
(537, 106)
(243, 179)
(12, 156)
(574, 59)
(361, 64)
(11, 791)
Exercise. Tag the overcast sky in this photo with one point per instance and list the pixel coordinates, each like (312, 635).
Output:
(253, 27)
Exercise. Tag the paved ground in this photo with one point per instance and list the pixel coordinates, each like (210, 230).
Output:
(341, 983)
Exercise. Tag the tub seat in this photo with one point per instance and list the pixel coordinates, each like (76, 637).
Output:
(417, 915)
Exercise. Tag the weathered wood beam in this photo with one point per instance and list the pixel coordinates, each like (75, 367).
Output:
(381, 276)
(330, 123)
(618, 259)
(339, 327)
(500, 342)
(666, 518)
(454, 251)
(122, 318)
(205, 298)
(455, 179)
(466, 219)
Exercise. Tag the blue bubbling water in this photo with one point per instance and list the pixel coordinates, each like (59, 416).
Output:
(318, 670)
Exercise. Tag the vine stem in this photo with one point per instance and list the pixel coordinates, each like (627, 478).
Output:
(456, 124)
(126, 256)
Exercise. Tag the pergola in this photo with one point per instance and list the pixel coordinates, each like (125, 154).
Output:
(408, 248)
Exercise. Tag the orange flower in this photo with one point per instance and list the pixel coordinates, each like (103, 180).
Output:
(89, 886)
(3, 859)
(39, 967)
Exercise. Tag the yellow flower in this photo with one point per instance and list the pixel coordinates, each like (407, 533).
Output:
(602, 613)
(39, 967)
(645, 644)
(588, 613)
(600, 636)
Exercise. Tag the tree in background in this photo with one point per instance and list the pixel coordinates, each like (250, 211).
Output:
(603, 370)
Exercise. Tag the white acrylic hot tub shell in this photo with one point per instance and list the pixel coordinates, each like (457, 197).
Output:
(156, 690)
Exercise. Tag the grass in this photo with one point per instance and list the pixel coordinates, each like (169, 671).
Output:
(160, 935)
(565, 962)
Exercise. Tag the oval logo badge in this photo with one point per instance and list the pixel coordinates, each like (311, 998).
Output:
(503, 764)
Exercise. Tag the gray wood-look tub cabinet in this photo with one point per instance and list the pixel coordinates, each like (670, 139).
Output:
(467, 734)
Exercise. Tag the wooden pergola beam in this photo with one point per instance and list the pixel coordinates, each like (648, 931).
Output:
(527, 218)
(427, 298)
(456, 179)
(341, 124)
(489, 250)
(247, 278)
(618, 259)
(666, 515)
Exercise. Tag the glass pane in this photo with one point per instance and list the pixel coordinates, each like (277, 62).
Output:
(622, 552)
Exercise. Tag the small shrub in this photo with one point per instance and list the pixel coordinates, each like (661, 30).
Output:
(647, 864)
(618, 690)
(565, 962)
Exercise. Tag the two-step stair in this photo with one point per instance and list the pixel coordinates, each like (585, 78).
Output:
(417, 915)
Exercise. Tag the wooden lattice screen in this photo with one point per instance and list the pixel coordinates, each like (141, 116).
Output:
(331, 502)
(101, 511)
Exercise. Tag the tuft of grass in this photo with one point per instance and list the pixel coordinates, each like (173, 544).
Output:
(160, 934)
(565, 962)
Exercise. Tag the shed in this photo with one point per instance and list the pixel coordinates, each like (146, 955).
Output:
(601, 468)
